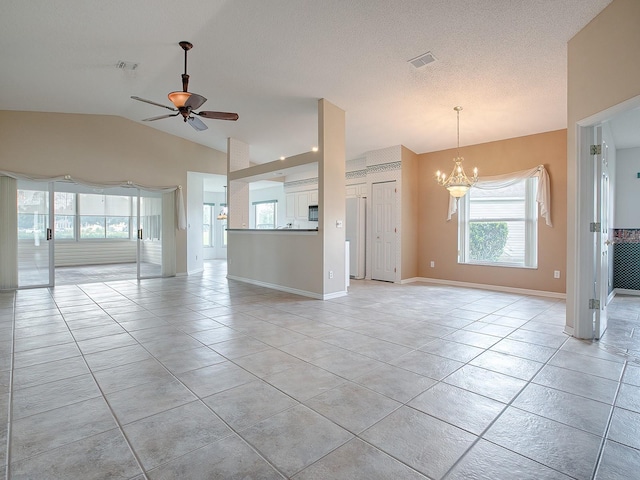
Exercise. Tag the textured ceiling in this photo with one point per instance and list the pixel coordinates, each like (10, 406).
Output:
(504, 61)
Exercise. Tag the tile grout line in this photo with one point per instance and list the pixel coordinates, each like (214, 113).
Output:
(608, 425)
(199, 399)
(509, 404)
(119, 426)
(278, 348)
(406, 404)
(10, 406)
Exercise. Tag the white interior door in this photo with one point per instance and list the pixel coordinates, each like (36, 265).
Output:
(35, 234)
(603, 243)
(383, 229)
(149, 253)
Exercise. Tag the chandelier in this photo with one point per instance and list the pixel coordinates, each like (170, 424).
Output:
(223, 213)
(457, 182)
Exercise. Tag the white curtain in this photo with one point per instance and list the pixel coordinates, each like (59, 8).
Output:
(543, 195)
(8, 233)
(179, 220)
(173, 217)
(168, 235)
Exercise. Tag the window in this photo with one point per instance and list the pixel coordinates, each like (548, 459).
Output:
(104, 216)
(33, 213)
(265, 213)
(208, 217)
(64, 206)
(500, 226)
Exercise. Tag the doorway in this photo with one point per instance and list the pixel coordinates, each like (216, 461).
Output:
(384, 231)
(77, 234)
(599, 212)
(35, 234)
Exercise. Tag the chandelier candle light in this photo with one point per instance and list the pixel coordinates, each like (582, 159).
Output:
(223, 213)
(457, 183)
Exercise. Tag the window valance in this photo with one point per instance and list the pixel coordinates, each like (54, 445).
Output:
(543, 194)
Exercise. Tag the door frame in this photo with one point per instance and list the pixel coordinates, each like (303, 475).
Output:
(49, 238)
(140, 234)
(602, 247)
(580, 278)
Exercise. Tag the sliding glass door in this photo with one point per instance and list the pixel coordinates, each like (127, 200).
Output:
(35, 234)
(149, 234)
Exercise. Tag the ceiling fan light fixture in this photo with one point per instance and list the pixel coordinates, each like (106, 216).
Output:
(179, 98)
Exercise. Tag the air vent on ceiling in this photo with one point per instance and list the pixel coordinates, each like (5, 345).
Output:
(422, 60)
(122, 65)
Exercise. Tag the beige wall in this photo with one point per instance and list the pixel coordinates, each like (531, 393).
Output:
(409, 211)
(286, 259)
(331, 195)
(103, 148)
(295, 261)
(603, 71)
(437, 238)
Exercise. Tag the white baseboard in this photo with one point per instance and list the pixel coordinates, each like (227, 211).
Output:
(625, 291)
(190, 272)
(282, 288)
(568, 330)
(483, 286)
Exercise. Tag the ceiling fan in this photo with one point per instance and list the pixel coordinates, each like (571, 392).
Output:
(185, 102)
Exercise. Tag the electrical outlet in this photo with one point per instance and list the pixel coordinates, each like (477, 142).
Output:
(338, 223)
(556, 274)
(330, 273)
(433, 264)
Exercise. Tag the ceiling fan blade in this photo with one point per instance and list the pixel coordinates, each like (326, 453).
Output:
(218, 115)
(195, 101)
(196, 123)
(173, 109)
(160, 117)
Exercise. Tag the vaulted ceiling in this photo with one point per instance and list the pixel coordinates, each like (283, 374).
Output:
(504, 61)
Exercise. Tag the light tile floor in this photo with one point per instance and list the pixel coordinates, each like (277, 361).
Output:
(200, 377)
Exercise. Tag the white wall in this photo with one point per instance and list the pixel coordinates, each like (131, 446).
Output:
(219, 250)
(195, 253)
(627, 188)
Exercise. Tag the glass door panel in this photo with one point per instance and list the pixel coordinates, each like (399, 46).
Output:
(149, 234)
(35, 234)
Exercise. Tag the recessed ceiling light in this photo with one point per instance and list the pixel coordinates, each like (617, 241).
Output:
(314, 149)
(281, 158)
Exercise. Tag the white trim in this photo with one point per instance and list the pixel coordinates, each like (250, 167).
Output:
(482, 286)
(282, 288)
(182, 274)
(331, 296)
(578, 285)
(568, 330)
(625, 291)
(609, 113)
(190, 272)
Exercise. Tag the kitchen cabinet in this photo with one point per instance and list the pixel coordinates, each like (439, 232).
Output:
(302, 205)
(290, 204)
